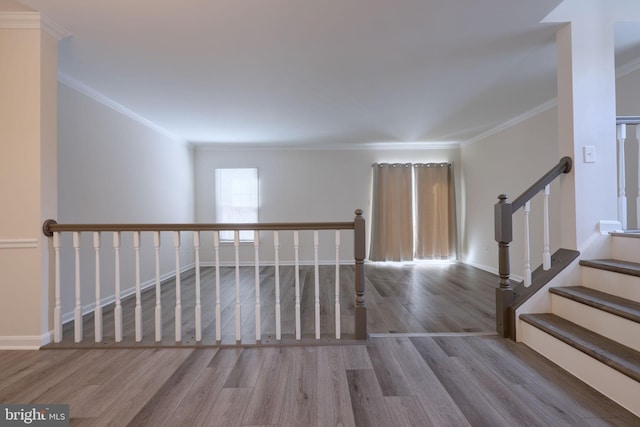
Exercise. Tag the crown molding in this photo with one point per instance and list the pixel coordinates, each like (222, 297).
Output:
(54, 29)
(621, 71)
(370, 146)
(514, 121)
(628, 68)
(20, 20)
(99, 97)
(31, 20)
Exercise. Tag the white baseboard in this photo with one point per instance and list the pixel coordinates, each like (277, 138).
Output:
(67, 317)
(480, 266)
(271, 263)
(513, 277)
(32, 342)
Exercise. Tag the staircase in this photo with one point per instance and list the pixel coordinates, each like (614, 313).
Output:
(593, 330)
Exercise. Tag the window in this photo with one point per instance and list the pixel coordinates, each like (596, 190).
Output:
(237, 199)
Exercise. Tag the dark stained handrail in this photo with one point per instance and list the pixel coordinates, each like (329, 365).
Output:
(503, 214)
(50, 226)
(564, 166)
(628, 120)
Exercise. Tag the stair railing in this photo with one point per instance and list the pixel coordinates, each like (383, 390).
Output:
(622, 122)
(503, 214)
(54, 230)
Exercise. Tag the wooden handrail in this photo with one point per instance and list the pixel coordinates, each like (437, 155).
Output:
(50, 226)
(628, 120)
(503, 214)
(564, 166)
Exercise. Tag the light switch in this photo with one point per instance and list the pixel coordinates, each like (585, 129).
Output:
(589, 152)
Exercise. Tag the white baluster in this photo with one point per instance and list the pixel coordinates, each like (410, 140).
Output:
(216, 246)
(296, 244)
(276, 247)
(158, 311)
(117, 311)
(97, 313)
(78, 308)
(527, 254)
(316, 283)
(337, 284)
(138, 309)
(236, 245)
(57, 310)
(256, 248)
(622, 197)
(638, 166)
(178, 311)
(196, 247)
(546, 253)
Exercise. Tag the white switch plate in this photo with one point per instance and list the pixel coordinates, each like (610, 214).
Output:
(589, 153)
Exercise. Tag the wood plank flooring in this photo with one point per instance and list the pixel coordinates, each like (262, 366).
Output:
(420, 298)
(391, 381)
(454, 379)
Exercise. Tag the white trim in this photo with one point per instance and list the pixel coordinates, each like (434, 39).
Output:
(621, 71)
(271, 263)
(480, 266)
(628, 68)
(33, 20)
(67, 317)
(67, 80)
(24, 20)
(28, 342)
(18, 243)
(512, 277)
(514, 121)
(54, 29)
(373, 146)
(606, 227)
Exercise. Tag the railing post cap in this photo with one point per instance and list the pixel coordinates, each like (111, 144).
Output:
(502, 197)
(45, 227)
(359, 212)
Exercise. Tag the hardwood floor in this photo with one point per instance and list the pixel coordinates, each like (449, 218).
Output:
(433, 360)
(391, 381)
(421, 298)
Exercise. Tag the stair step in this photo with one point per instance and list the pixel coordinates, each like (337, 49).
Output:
(610, 303)
(625, 246)
(617, 356)
(617, 266)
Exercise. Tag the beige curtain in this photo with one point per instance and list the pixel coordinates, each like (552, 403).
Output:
(392, 213)
(435, 211)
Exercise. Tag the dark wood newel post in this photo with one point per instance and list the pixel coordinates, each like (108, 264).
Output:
(504, 235)
(359, 253)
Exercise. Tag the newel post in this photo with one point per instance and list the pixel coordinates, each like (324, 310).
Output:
(504, 235)
(359, 254)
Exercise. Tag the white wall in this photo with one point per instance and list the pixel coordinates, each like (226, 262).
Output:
(508, 162)
(113, 169)
(302, 186)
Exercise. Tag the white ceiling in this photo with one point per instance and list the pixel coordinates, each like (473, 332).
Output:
(316, 71)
